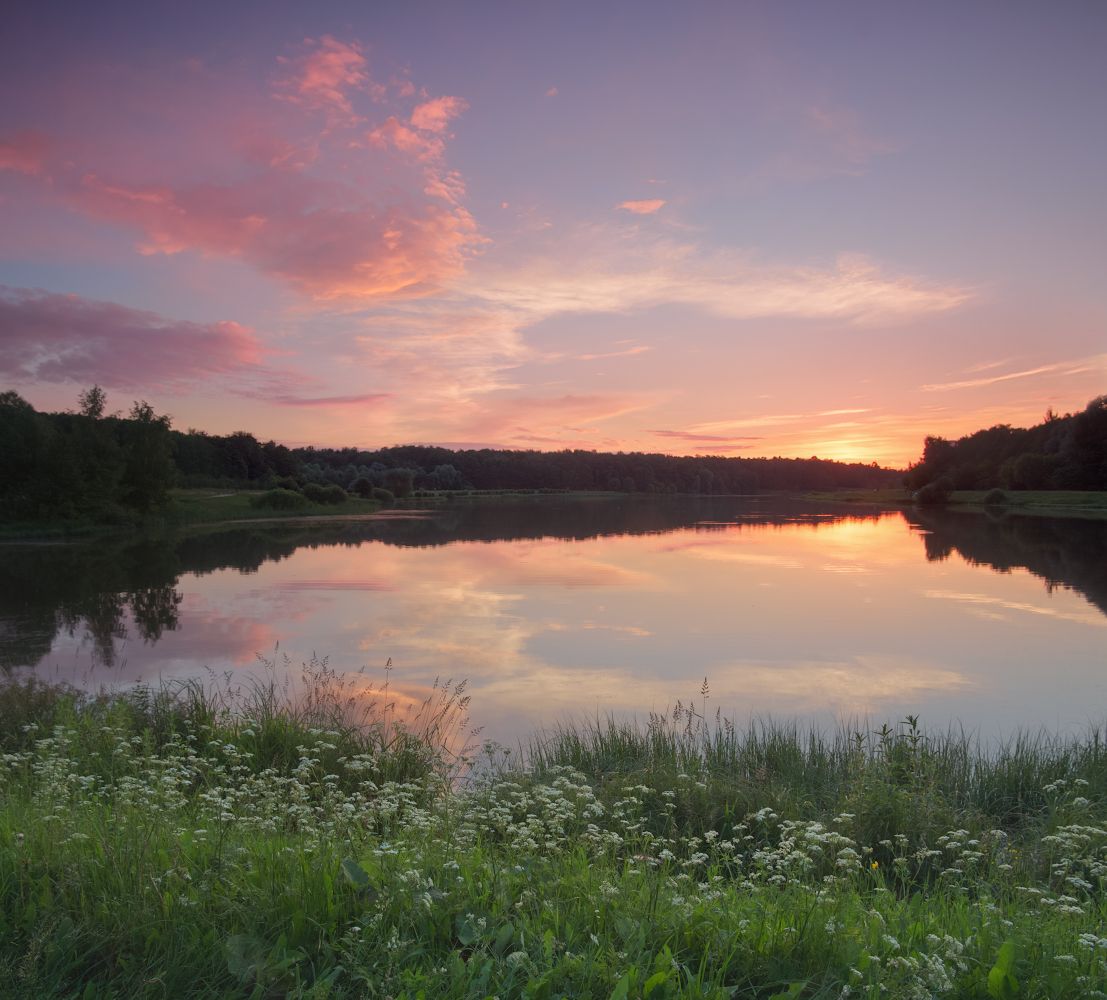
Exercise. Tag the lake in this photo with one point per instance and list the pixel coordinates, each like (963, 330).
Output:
(552, 608)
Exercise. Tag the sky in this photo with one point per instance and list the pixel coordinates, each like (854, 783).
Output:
(741, 229)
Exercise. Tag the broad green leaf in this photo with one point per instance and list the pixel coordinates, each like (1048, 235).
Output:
(467, 934)
(622, 988)
(245, 956)
(1002, 984)
(504, 937)
(355, 874)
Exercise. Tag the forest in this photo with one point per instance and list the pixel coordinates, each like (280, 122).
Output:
(87, 464)
(1061, 453)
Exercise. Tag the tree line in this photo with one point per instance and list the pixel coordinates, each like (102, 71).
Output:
(89, 464)
(84, 464)
(1061, 453)
(579, 470)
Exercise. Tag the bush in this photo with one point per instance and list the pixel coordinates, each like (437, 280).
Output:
(995, 498)
(332, 494)
(935, 493)
(279, 500)
(286, 483)
(362, 487)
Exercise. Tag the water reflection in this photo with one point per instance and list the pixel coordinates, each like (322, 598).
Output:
(1064, 553)
(551, 608)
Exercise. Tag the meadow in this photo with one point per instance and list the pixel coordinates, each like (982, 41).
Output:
(199, 841)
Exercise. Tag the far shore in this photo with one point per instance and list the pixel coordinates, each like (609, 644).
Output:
(191, 508)
(1087, 504)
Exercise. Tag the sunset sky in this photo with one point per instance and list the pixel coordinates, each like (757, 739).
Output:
(731, 228)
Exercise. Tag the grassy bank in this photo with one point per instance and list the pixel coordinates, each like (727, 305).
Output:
(186, 508)
(1045, 503)
(213, 506)
(184, 845)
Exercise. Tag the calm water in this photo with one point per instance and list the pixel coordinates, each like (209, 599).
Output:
(554, 608)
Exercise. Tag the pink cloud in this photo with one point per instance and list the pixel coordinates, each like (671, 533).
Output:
(714, 440)
(647, 206)
(46, 337)
(435, 115)
(552, 92)
(326, 74)
(320, 236)
(24, 152)
(627, 352)
(314, 206)
(394, 133)
(712, 444)
(368, 399)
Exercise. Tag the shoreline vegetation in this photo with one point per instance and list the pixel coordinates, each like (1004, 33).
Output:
(79, 472)
(265, 841)
(211, 507)
(1089, 504)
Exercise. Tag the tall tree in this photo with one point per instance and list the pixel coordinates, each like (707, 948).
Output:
(91, 402)
(149, 469)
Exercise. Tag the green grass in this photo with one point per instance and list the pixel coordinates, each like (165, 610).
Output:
(188, 507)
(1046, 503)
(262, 843)
(890, 496)
(212, 506)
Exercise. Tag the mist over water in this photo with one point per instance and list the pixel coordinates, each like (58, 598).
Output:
(556, 608)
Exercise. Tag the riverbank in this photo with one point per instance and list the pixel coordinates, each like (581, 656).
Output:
(189, 508)
(180, 844)
(197, 507)
(1091, 504)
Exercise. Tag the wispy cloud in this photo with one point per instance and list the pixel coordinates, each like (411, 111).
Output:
(25, 152)
(595, 269)
(985, 366)
(848, 138)
(368, 399)
(646, 206)
(626, 352)
(1078, 367)
(718, 443)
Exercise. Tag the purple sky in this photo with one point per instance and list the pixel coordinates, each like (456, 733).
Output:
(758, 228)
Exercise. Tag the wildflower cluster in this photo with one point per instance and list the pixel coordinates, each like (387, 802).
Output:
(199, 863)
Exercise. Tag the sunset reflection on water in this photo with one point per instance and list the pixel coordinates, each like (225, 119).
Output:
(813, 616)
